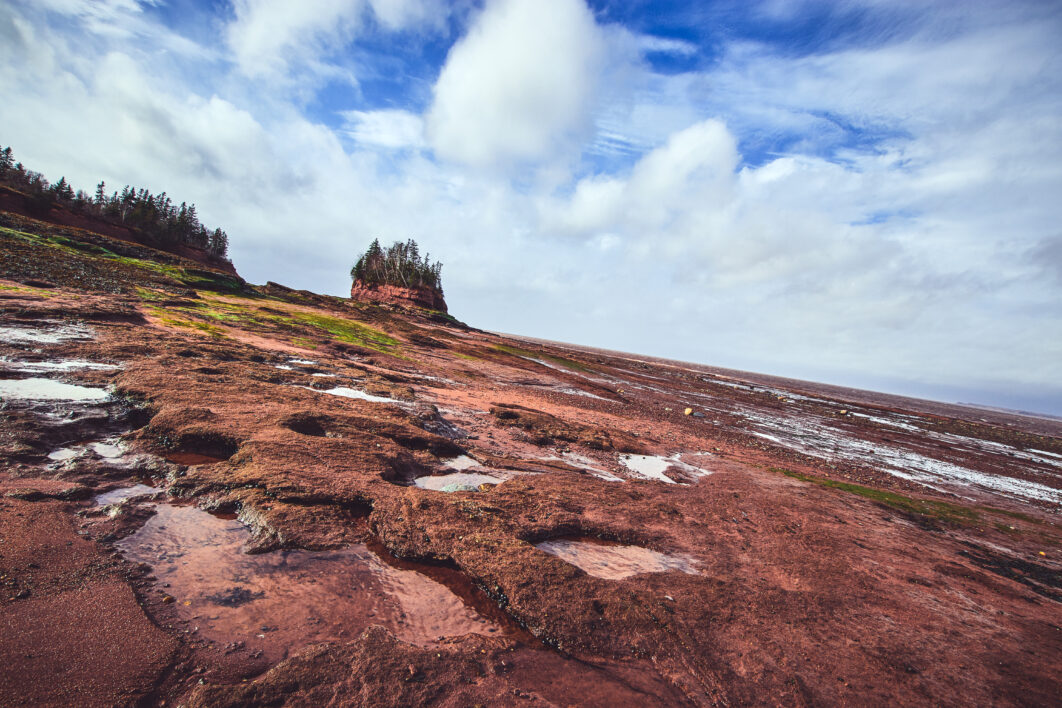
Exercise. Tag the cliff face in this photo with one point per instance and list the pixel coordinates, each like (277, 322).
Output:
(392, 295)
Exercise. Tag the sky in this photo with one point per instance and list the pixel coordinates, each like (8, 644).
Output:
(859, 192)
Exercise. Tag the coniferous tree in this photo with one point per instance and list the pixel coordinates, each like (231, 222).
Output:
(153, 216)
(399, 264)
(81, 200)
(63, 190)
(219, 242)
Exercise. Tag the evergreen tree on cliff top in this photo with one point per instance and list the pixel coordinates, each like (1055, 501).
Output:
(400, 265)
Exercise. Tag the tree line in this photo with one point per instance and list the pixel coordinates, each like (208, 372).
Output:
(400, 265)
(154, 216)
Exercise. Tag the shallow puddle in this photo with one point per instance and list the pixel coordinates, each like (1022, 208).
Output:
(36, 389)
(462, 462)
(36, 367)
(345, 392)
(65, 453)
(614, 561)
(37, 335)
(120, 495)
(654, 466)
(108, 450)
(648, 466)
(585, 463)
(456, 482)
(825, 439)
(579, 392)
(279, 602)
(588, 464)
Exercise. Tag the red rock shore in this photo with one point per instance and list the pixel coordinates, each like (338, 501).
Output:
(841, 551)
(428, 298)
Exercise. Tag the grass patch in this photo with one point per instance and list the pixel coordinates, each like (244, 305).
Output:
(29, 290)
(226, 315)
(1012, 514)
(234, 314)
(21, 235)
(167, 318)
(209, 280)
(940, 510)
(440, 315)
(349, 332)
(528, 354)
(193, 278)
(293, 325)
(147, 295)
(89, 248)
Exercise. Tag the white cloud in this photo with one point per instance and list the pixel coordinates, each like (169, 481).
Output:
(265, 35)
(401, 14)
(116, 20)
(393, 128)
(519, 86)
(651, 44)
(269, 38)
(99, 16)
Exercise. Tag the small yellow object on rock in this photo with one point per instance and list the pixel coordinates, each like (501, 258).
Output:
(688, 411)
(1042, 553)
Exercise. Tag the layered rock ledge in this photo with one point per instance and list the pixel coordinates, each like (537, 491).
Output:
(429, 298)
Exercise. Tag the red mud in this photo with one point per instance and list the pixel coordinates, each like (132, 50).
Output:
(845, 551)
(71, 631)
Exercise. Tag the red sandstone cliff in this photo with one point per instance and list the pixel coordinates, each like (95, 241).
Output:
(389, 294)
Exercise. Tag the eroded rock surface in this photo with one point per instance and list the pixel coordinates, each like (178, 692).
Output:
(393, 295)
(805, 545)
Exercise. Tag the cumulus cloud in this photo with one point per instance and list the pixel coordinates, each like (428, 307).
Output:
(269, 37)
(518, 87)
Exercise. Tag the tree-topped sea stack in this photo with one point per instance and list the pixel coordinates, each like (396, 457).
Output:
(398, 275)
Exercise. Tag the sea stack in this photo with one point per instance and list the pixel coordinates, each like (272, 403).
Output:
(398, 275)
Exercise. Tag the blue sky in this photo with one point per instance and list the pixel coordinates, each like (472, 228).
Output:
(860, 191)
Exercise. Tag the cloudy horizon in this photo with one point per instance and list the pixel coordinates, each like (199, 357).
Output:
(855, 192)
